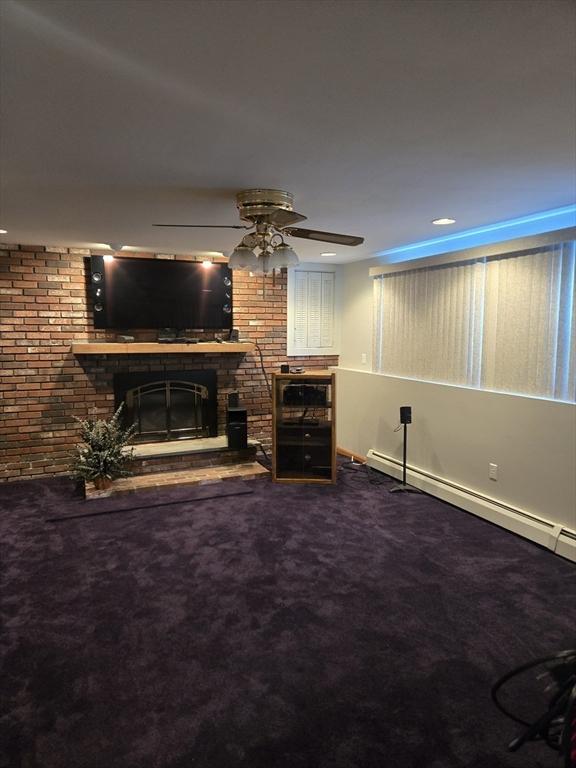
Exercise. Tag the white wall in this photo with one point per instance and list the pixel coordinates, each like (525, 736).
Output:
(456, 431)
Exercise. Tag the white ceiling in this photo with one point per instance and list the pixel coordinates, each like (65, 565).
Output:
(378, 115)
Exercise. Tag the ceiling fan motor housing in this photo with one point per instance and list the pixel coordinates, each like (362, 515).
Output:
(258, 204)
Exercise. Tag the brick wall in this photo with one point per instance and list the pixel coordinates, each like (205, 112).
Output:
(45, 306)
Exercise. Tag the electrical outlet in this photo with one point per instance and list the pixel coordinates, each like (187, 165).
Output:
(363, 358)
(493, 471)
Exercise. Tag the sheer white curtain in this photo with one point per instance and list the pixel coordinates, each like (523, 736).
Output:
(505, 323)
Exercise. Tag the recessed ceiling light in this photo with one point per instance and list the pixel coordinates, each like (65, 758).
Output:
(108, 257)
(442, 222)
(327, 253)
(3, 231)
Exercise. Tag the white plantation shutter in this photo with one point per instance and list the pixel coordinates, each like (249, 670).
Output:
(300, 323)
(312, 313)
(506, 323)
(314, 309)
(327, 319)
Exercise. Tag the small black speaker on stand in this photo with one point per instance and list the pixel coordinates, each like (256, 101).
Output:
(405, 419)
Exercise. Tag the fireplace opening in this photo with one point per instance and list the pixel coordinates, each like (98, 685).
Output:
(168, 405)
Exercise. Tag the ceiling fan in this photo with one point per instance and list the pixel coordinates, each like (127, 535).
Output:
(271, 216)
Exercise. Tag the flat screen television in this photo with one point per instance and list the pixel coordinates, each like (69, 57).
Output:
(160, 293)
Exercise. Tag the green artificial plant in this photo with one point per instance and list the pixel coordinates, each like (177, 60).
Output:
(101, 454)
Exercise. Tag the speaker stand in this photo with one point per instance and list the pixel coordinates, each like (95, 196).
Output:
(402, 486)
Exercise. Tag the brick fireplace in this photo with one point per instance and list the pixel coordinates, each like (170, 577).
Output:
(45, 307)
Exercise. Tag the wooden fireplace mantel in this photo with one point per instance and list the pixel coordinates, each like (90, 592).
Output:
(154, 348)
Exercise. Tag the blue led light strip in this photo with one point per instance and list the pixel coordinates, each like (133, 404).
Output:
(534, 224)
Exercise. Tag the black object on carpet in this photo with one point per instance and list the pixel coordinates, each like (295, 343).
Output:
(151, 499)
(297, 627)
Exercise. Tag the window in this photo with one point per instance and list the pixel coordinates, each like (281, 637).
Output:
(506, 323)
(312, 299)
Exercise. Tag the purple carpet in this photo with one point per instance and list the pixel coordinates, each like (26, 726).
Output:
(296, 627)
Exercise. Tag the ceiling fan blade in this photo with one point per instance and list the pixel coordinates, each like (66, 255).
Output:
(205, 226)
(324, 237)
(282, 218)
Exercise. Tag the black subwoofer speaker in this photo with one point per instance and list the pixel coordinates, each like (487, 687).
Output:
(237, 428)
(237, 436)
(236, 415)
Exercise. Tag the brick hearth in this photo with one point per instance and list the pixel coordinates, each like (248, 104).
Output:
(247, 470)
(148, 461)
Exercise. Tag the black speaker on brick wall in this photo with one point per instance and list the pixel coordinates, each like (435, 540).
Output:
(98, 286)
(405, 414)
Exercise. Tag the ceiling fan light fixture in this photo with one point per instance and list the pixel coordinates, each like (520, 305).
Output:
(260, 268)
(242, 257)
(283, 256)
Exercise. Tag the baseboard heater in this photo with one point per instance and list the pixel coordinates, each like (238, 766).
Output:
(551, 535)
